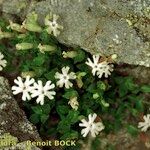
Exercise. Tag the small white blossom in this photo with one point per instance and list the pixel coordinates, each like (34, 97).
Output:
(90, 126)
(65, 77)
(100, 68)
(104, 68)
(53, 26)
(23, 87)
(74, 103)
(94, 65)
(3, 62)
(146, 124)
(41, 91)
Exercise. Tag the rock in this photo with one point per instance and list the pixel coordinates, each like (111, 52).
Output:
(13, 122)
(9, 142)
(124, 141)
(98, 26)
(140, 74)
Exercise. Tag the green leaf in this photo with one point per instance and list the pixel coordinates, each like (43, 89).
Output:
(73, 116)
(91, 88)
(80, 57)
(120, 110)
(46, 109)
(63, 126)
(70, 135)
(35, 118)
(132, 130)
(96, 144)
(101, 85)
(37, 109)
(44, 118)
(70, 93)
(118, 80)
(62, 109)
(51, 75)
(39, 71)
(134, 112)
(123, 91)
(139, 105)
(145, 88)
(130, 84)
(39, 60)
(133, 98)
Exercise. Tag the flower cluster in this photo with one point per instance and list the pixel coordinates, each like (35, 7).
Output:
(146, 124)
(31, 24)
(78, 92)
(30, 89)
(100, 68)
(90, 126)
(3, 62)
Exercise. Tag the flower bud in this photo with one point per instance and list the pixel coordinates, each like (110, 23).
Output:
(46, 48)
(16, 27)
(24, 46)
(79, 79)
(31, 23)
(28, 73)
(74, 103)
(21, 36)
(102, 85)
(95, 96)
(47, 18)
(69, 54)
(5, 34)
(104, 103)
(114, 56)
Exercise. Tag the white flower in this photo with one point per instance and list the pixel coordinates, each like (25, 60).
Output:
(90, 126)
(3, 62)
(41, 91)
(64, 77)
(94, 65)
(100, 68)
(104, 68)
(23, 87)
(53, 26)
(74, 103)
(146, 124)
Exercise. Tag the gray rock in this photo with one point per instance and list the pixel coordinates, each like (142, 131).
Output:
(140, 74)
(98, 26)
(13, 121)
(124, 141)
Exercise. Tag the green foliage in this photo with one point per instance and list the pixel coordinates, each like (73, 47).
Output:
(80, 57)
(70, 93)
(114, 99)
(40, 113)
(145, 88)
(132, 130)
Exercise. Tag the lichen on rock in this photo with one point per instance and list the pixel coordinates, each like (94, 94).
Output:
(13, 121)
